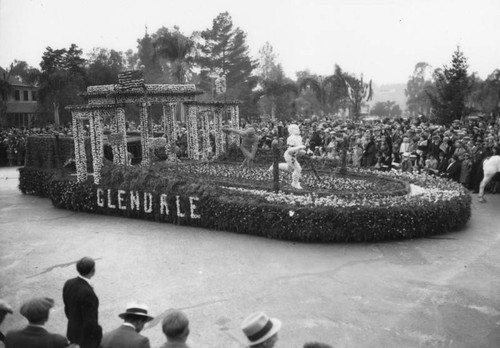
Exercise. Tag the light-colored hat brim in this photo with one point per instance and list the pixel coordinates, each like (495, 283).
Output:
(129, 314)
(274, 330)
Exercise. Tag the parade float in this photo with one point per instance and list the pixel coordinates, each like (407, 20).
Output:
(204, 189)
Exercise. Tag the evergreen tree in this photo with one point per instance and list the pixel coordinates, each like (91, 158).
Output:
(452, 87)
(148, 62)
(223, 49)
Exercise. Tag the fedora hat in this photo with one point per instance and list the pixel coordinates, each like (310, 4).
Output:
(136, 310)
(258, 327)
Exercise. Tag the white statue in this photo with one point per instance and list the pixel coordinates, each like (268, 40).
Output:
(295, 147)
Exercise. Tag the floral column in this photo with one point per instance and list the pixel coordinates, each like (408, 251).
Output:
(235, 121)
(205, 135)
(79, 140)
(170, 129)
(220, 136)
(118, 137)
(192, 132)
(97, 144)
(144, 134)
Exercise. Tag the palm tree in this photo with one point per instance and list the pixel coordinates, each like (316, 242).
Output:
(329, 90)
(322, 87)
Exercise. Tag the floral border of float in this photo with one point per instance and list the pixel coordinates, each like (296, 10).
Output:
(435, 206)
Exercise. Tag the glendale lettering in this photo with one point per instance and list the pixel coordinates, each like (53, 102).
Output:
(145, 202)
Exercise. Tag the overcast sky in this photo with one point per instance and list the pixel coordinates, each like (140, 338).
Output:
(383, 39)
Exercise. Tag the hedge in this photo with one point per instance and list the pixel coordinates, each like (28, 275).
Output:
(223, 207)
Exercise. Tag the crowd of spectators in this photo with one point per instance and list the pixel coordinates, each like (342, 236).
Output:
(455, 151)
(410, 145)
(81, 307)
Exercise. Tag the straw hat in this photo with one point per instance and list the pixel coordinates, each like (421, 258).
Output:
(136, 310)
(258, 327)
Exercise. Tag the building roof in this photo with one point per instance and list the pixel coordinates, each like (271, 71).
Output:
(13, 80)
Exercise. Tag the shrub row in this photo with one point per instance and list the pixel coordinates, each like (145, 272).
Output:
(201, 203)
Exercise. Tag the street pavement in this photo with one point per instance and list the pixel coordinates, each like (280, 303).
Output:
(432, 292)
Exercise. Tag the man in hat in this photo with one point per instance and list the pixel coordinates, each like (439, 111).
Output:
(35, 335)
(5, 308)
(175, 326)
(260, 330)
(127, 335)
(81, 306)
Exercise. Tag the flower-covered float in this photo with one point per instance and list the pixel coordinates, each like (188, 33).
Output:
(202, 190)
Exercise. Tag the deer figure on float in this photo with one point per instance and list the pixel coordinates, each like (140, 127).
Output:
(491, 166)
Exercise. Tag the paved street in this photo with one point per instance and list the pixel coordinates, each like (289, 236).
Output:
(433, 292)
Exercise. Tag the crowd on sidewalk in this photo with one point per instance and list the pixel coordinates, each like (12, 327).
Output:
(455, 151)
(410, 145)
(81, 306)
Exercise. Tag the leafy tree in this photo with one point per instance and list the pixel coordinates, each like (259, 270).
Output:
(103, 66)
(452, 88)
(396, 111)
(386, 109)
(223, 49)
(382, 109)
(485, 95)
(418, 102)
(25, 72)
(177, 50)
(62, 78)
(132, 60)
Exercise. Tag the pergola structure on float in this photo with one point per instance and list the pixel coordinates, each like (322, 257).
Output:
(109, 101)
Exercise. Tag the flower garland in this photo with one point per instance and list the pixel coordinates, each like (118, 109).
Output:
(192, 132)
(121, 129)
(80, 156)
(220, 137)
(144, 134)
(205, 135)
(235, 121)
(96, 141)
(151, 88)
(170, 130)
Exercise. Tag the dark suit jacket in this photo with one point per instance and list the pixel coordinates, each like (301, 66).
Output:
(124, 337)
(34, 337)
(453, 171)
(81, 306)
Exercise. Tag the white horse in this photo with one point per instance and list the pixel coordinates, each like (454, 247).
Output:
(491, 166)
